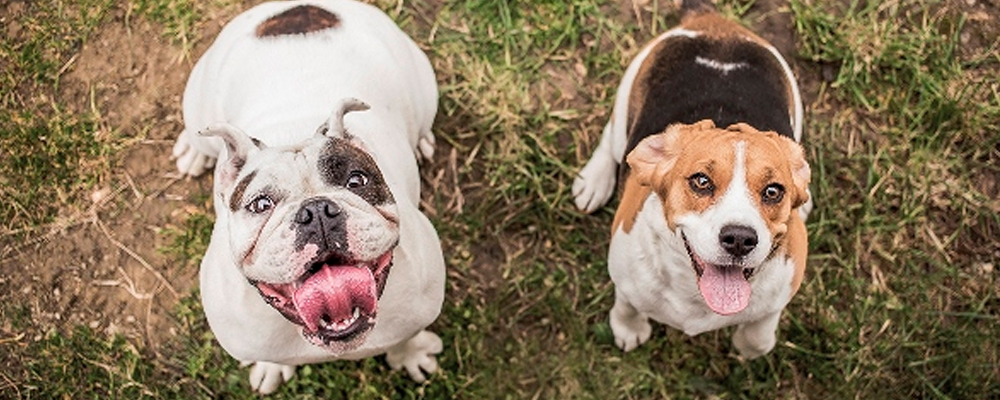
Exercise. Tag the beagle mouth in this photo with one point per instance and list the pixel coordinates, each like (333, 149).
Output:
(334, 300)
(725, 288)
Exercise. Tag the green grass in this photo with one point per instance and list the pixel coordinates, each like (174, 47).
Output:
(49, 154)
(900, 298)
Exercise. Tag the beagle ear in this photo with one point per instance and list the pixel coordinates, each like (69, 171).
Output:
(801, 174)
(239, 147)
(656, 154)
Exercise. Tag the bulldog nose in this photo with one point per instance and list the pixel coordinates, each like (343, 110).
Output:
(738, 240)
(321, 221)
(315, 210)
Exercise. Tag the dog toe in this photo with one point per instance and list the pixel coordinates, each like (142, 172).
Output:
(266, 377)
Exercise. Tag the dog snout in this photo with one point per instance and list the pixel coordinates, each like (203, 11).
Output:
(738, 240)
(322, 222)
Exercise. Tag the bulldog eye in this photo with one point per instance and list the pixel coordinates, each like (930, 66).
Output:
(772, 194)
(260, 204)
(357, 179)
(701, 184)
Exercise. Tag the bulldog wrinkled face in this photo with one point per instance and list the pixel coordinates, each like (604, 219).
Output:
(729, 195)
(313, 228)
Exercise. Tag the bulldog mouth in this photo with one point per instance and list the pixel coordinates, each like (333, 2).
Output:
(334, 300)
(725, 288)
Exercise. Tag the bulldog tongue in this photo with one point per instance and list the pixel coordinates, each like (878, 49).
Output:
(332, 293)
(726, 290)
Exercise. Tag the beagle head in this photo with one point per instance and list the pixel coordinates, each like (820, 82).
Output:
(729, 194)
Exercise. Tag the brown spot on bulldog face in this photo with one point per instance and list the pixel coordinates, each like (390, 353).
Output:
(237, 197)
(341, 163)
(298, 20)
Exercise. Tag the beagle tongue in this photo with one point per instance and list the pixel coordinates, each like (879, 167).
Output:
(332, 293)
(725, 289)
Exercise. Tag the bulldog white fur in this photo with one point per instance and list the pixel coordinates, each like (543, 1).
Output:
(709, 232)
(319, 110)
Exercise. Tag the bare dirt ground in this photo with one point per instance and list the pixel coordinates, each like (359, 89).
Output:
(102, 266)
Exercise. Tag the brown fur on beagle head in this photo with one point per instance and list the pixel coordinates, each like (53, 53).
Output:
(712, 179)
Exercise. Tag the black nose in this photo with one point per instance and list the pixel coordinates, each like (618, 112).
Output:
(738, 240)
(322, 222)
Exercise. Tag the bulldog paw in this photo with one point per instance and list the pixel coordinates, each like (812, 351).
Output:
(265, 377)
(425, 147)
(415, 355)
(630, 328)
(595, 183)
(190, 161)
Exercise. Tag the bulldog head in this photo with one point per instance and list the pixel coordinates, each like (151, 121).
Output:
(729, 194)
(312, 226)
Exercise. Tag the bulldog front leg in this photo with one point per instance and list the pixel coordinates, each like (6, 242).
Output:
(191, 161)
(416, 354)
(265, 377)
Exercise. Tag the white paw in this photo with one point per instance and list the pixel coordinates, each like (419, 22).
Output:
(425, 147)
(190, 161)
(265, 377)
(595, 183)
(416, 354)
(630, 332)
(753, 344)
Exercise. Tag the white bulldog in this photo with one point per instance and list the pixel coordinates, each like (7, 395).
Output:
(317, 112)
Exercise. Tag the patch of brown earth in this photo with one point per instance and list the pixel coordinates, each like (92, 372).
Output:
(103, 267)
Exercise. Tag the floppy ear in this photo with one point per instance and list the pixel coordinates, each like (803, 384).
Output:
(657, 154)
(801, 174)
(239, 146)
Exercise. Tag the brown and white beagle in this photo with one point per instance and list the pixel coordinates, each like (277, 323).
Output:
(710, 229)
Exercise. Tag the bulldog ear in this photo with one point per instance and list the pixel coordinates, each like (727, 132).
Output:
(239, 146)
(801, 174)
(334, 126)
(656, 154)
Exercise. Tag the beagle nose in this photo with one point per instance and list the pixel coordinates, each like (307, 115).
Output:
(738, 240)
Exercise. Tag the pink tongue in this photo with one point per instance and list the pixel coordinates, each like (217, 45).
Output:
(333, 293)
(725, 290)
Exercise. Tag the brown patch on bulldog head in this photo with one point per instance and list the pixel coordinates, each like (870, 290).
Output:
(298, 20)
(341, 163)
(236, 199)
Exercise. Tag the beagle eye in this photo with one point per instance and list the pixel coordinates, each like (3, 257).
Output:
(772, 194)
(701, 184)
(260, 204)
(357, 179)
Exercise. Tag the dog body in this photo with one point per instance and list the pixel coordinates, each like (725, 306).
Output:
(710, 228)
(320, 110)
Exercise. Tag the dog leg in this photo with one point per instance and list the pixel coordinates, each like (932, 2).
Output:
(630, 327)
(754, 339)
(425, 146)
(416, 354)
(190, 160)
(595, 183)
(265, 377)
